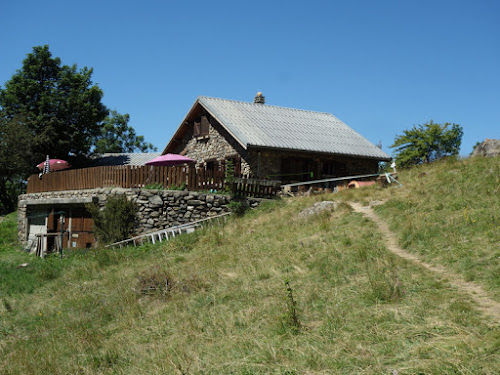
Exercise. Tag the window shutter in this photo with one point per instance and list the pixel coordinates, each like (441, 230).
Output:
(196, 129)
(205, 126)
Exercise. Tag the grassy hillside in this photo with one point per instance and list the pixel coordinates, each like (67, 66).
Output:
(449, 213)
(271, 293)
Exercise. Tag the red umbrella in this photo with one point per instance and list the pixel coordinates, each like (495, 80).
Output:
(170, 159)
(54, 165)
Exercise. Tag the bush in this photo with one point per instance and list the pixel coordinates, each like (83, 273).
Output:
(115, 221)
(238, 205)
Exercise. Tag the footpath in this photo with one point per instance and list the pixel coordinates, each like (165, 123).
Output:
(484, 302)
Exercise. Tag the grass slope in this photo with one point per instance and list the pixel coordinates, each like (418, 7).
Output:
(351, 306)
(451, 216)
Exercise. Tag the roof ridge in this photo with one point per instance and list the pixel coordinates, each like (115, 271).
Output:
(266, 105)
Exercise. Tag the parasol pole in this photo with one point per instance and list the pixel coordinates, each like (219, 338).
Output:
(46, 167)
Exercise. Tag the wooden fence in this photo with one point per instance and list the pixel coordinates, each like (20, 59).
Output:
(150, 177)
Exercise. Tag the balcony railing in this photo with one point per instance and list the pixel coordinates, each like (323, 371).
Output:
(180, 177)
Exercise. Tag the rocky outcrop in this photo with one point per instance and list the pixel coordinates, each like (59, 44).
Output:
(490, 147)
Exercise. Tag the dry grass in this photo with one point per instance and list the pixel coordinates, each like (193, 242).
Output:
(361, 309)
(449, 213)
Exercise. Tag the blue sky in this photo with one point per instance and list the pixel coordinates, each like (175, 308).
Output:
(380, 66)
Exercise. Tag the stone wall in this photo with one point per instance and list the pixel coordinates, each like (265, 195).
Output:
(157, 209)
(218, 145)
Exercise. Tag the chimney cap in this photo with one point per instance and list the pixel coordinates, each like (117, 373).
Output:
(259, 98)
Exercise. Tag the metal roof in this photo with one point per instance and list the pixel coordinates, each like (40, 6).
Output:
(263, 125)
(134, 159)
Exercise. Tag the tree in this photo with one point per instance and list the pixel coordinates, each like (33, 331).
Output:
(117, 136)
(15, 159)
(427, 143)
(51, 109)
(61, 106)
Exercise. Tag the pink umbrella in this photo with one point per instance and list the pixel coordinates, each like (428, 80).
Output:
(54, 165)
(170, 159)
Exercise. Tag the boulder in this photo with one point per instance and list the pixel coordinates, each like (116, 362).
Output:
(490, 147)
(317, 208)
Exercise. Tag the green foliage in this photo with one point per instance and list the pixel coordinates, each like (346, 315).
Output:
(238, 205)
(47, 108)
(229, 172)
(154, 187)
(427, 143)
(175, 187)
(115, 221)
(60, 105)
(15, 159)
(118, 136)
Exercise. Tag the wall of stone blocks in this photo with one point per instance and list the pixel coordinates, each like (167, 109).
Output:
(157, 209)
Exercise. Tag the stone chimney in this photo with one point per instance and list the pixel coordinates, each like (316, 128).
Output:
(259, 98)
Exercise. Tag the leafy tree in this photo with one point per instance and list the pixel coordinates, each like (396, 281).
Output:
(427, 143)
(14, 161)
(117, 136)
(51, 109)
(61, 106)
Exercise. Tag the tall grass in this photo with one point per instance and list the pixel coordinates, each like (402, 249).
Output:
(214, 302)
(449, 213)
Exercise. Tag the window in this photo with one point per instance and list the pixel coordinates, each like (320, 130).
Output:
(334, 169)
(201, 128)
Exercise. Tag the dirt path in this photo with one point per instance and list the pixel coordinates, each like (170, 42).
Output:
(476, 292)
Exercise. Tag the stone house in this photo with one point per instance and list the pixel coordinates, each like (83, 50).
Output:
(270, 142)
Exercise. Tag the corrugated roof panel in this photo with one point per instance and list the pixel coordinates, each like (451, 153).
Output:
(131, 158)
(288, 128)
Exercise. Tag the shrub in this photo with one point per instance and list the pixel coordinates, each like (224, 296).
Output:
(238, 205)
(115, 221)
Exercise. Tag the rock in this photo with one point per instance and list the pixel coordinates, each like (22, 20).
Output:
(489, 148)
(155, 201)
(318, 207)
(194, 202)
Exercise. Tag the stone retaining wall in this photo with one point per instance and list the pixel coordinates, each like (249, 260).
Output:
(157, 209)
